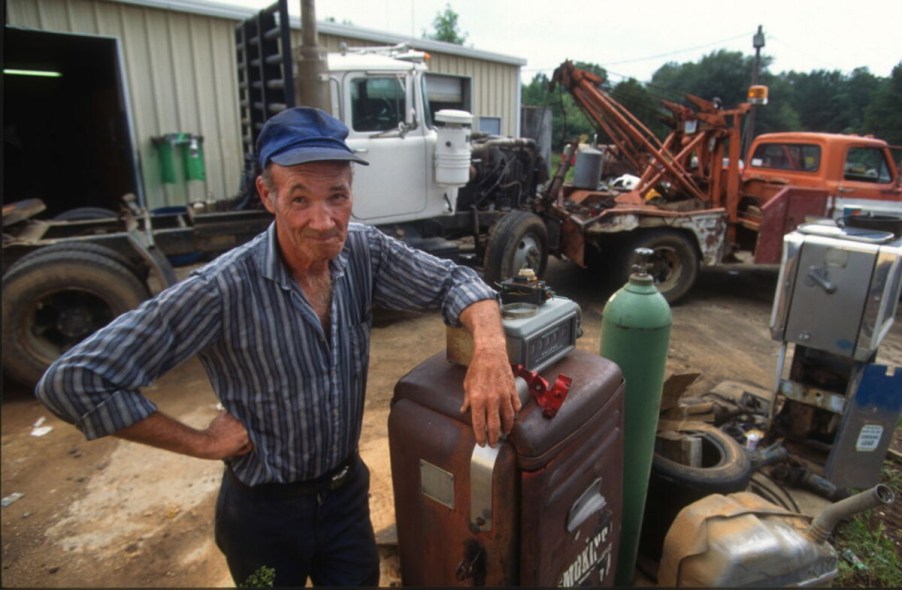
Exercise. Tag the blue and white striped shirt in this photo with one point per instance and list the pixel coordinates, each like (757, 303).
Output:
(298, 391)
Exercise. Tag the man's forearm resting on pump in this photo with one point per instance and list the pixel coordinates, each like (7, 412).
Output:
(489, 390)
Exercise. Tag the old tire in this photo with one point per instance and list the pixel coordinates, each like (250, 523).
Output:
(85, 213)
(672, 486)
(54, 299)
(141, 271)
(674, 264)
(519, 240)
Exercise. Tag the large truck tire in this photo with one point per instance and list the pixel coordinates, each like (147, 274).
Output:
(674, 264)
(141, 271)
(85, 213)
(57, 296)
(519, 240)
(672, 485)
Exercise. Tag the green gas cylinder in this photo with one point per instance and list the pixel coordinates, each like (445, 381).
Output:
(635, 334)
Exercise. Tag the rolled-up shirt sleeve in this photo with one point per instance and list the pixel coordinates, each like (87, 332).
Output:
(96, 384)
(409, 279)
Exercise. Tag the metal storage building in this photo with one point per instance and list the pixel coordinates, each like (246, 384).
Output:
(134, 70)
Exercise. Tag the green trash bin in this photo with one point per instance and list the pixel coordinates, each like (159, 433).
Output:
(189, 147)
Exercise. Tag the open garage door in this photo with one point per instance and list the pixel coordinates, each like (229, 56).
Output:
(66, 136)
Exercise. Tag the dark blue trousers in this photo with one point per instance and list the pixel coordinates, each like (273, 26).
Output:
(327, 537)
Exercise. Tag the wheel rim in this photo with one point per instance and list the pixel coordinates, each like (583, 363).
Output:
(664, 266)
(528, 254)
(710, 454)
(61, 320)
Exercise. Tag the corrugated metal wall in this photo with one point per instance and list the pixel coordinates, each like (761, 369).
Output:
(181, 77)
(180, 74)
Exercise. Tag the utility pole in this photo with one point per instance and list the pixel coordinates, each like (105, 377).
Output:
(311, 86)
(749, 132)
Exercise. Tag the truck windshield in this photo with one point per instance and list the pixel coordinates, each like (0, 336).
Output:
(787, 156)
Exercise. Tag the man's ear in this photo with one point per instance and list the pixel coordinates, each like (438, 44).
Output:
(264, 195)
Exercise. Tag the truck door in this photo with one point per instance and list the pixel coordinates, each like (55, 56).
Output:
(393, 186)
(867, 181)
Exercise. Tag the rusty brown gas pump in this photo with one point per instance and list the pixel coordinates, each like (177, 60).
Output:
(541, 508)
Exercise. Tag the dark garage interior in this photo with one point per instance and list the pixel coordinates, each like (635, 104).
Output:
(66, 137)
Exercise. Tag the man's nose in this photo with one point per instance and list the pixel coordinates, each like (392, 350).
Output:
(321, 217)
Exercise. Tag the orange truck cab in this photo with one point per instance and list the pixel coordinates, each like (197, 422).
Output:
(788, 178)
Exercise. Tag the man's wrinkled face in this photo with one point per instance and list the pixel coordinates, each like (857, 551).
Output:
(312, 207)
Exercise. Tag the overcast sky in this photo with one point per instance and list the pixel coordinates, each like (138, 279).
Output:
(633, 38)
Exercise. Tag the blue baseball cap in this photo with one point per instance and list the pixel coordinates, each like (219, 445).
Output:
(303, 134)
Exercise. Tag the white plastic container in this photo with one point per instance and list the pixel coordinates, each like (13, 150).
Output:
(452, 150)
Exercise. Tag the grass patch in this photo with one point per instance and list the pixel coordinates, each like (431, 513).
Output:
(263, 577)
(874, 537)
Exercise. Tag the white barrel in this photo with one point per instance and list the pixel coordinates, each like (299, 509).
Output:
(452, 150)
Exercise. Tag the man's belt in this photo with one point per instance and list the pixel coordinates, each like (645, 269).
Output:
(332, 480)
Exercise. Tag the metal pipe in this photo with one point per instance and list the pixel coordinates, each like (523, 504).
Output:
(823, 524)
(312, 84)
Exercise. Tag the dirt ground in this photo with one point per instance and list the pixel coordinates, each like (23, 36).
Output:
(115, 514)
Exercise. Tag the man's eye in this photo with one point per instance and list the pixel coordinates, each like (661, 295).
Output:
(298, 201)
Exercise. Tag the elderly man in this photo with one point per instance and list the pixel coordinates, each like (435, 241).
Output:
(282, 327)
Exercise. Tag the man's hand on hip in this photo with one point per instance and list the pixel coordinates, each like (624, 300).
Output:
(228, 437)
(224, 437)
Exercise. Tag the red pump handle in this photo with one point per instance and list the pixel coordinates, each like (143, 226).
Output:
(549, 399)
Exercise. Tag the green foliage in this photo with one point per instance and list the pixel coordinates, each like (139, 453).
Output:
(876, 551)
(636, 98)
(446, 27)
(722, 74)
(821, 100)
(263, 577)
(568, 122)
(779, 114)
(883, 116)
(869, 542)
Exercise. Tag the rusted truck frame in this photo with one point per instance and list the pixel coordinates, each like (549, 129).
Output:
(62, 280)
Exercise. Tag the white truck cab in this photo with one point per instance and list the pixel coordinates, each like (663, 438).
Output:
(379, 93)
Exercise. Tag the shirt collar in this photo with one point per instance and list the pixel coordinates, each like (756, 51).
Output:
(273, 267)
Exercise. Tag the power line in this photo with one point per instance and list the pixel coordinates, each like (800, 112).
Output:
(772, 37)
(677, 52)
(657, 56)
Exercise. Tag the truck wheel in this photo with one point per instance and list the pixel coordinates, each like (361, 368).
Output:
(519, 240)
(85, 213)
(674, 264)
(54, 300)
(139, 270)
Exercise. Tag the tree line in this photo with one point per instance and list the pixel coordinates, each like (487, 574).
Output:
(820, 100)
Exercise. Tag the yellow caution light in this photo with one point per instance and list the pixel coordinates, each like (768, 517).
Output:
(758, 94)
